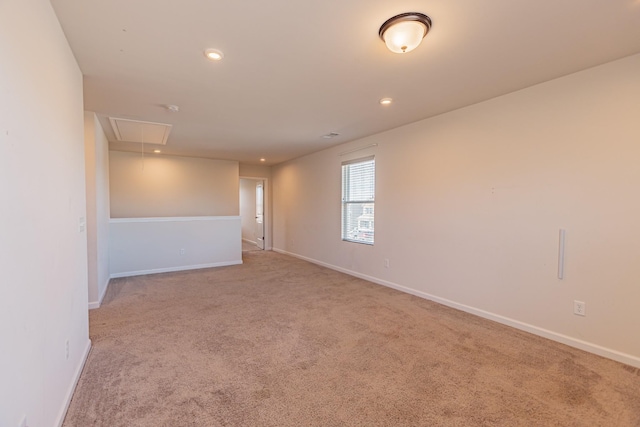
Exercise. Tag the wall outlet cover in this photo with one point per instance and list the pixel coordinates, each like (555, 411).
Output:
(579, 308)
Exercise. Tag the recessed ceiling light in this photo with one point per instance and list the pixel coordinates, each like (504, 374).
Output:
(213, 54)
(157, 151)
(386, 101)
(263, 159)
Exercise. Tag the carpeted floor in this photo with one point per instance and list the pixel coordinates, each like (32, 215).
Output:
(246, 247)
(281, 342)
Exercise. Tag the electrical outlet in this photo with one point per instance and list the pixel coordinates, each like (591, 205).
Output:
(182, 251)
(579, 308)
(386, 263)
(67, 349)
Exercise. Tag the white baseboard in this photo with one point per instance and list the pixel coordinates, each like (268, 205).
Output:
(248, 241)
(72, 387)
(172, 269)
(96, 304)
(618, 356)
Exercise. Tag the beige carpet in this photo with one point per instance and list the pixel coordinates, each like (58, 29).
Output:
(246, 247)
(281, 342)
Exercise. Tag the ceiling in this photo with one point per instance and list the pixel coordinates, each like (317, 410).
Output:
(294, 71)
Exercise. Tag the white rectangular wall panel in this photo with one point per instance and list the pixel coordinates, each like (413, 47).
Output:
(155, 245)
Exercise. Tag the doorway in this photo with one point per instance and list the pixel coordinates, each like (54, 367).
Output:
(252, 213)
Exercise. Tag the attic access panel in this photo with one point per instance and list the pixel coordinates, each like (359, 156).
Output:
(139, 131)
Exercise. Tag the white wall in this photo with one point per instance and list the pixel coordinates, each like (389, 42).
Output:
(157, 245)
(97, 183)
(248, 208)
(171, 186)
(469, 203)
(43, 253)
(255, 171)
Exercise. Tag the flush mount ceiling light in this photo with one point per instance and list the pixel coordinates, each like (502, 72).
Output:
(213, 54)
(386, 101)
(405, 32)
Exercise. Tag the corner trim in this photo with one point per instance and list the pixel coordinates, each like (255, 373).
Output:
(72, 387)
(172, 269)
(589, 347)
(96, 304)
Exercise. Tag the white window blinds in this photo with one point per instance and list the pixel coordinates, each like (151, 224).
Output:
(358, 200)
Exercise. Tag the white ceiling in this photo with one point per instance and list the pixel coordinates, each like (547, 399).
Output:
(296, 70)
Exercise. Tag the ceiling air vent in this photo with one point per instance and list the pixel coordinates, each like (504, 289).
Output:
(137, 131)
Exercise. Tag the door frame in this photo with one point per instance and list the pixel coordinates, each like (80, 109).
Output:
(267, 208)
(259, 225)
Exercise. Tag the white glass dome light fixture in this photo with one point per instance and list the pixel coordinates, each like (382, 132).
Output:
(405, 32)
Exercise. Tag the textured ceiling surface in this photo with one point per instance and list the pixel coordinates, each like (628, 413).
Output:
(295, 71)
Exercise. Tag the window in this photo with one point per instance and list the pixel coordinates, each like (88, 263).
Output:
(358, 200)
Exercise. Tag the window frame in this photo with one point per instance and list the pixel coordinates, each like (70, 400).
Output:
(346, 201)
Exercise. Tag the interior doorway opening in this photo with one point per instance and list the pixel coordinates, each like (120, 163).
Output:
(252, 213)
